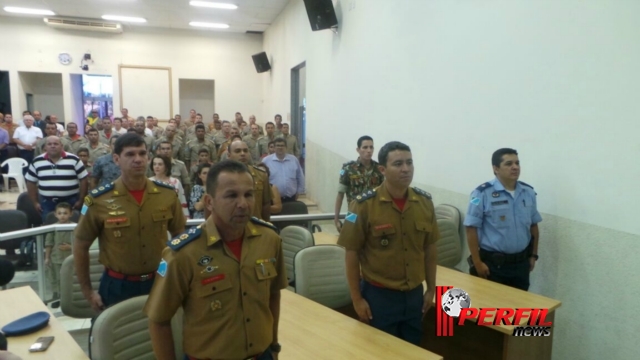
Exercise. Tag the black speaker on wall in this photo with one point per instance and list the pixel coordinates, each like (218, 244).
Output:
(321, 14)
(261, 61)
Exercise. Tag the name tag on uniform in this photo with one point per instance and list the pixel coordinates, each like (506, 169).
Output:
(503, 202)
(213, 279)
(384, 226)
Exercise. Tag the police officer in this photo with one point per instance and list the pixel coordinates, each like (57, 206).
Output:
(226, 274)
(502, 225)
(357, 177)
(131, 217)
(390, 233)
(239, 151)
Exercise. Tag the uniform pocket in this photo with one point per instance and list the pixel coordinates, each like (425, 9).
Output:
(269, 271)
(501, 217)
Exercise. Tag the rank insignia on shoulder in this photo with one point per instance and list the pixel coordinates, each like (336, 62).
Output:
(258, 221)
(422, 192)
(164, 185)
(88, 201)
(484, 186)
(366, 195)
(101, 190)
(178, 242)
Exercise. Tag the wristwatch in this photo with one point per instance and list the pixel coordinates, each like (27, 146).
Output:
(275, 347)
(535, 256)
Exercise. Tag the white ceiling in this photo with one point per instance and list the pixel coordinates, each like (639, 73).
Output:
(253, 15)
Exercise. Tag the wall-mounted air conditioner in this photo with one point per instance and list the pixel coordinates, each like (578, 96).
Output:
(84, 25)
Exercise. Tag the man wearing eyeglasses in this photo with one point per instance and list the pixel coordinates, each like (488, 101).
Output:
(286, 172)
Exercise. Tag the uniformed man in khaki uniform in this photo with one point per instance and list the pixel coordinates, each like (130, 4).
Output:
(263, 143)
(390, 233)
(226, 274)
(50, 130)
(239, 151)
(148, 140)
(131, 218)
(176, 142)
(292, 142)
(193, 146)
(178, 168)
(75, 140)
(96, 148)
(252, 142)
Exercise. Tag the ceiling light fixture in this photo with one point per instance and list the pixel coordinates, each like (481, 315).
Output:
(19, 10)
(124, 18)
(209, 25)
(213, 5)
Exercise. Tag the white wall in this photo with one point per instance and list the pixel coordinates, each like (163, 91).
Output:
(557, 80)
(29, 45)
(199, 95)
(46, 89)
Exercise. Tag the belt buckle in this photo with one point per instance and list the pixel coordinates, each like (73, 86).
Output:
(145, 277)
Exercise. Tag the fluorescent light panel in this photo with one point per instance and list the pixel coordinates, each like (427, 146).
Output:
(213, 5)
(209, 25)
(20, 10)
(124, 18)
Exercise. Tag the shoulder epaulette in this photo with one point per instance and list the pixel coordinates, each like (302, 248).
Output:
(165, 185)
(422, 192)
(101, 190)
(183, 239)
(366, 195)
(484, 186)
(525, 184)
(258, 168)
(258, 221)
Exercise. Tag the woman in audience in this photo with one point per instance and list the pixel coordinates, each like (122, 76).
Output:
(86, 131)
(161, 167)
(276, 201)
(198, 190)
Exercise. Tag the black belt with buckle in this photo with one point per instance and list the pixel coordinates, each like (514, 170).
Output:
(499, 258)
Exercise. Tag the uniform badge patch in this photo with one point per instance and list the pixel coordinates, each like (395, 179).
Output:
(495, 194)
(212, 279)
(84, 209)
(209, 269)
(162, 268)
(205, 260)
(503, 218)
(215, 305)
(351, 217)
(475, 201)
(384, 242)
(341, 172)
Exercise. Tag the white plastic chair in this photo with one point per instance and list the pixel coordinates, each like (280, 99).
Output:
(15, 172)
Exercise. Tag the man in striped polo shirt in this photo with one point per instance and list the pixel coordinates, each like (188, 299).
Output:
(54, 177)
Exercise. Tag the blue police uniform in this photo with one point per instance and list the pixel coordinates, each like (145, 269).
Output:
(504, 225)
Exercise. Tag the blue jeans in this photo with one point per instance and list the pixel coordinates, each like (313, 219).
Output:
(28, 156)
(398, 313)
(48, 204)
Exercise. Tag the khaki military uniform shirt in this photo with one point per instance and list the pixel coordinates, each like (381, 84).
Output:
(254, 150)
(390, 243)
(356, 179)
(103, 137)
(176, 146)
(75, 145)
(100, 150)
(149, 140)
(66, 146)
(194, 146)
(263, 144)
(220, 138)
(225, 301)
(247, 130)
(53, 240)
(131, 235)
(292, 145)
(262, 191)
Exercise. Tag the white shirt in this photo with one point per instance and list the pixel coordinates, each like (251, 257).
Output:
(28, 136)
(122, 131)
(148, 132)
(60, 129)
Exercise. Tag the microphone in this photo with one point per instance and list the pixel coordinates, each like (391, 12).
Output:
(6, 272)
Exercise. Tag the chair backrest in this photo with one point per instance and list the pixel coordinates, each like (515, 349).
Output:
(451, 230)
(121, 332)
(15, 165)
(72, 302)
(12, 220)
(25, 205)
(294, 239)
(293, 208)
(321, 275)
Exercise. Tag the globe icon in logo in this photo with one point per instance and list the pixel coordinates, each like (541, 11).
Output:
(454, 300)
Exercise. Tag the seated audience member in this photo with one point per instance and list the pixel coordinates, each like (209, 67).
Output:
(96, 148)
(57, 247)
(75, 140)
(105, 170)
(197, 192)
(55, 177)
(161, 167)
(118, 127)
(286, 172)
(276, 202)
(83, 154)
(203, 158)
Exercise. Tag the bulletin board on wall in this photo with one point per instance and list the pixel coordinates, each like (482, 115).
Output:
(146, 91)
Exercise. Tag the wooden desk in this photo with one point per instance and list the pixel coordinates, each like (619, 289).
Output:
(22, 301)
(322, 238)
(488, 342)
(309, 330)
